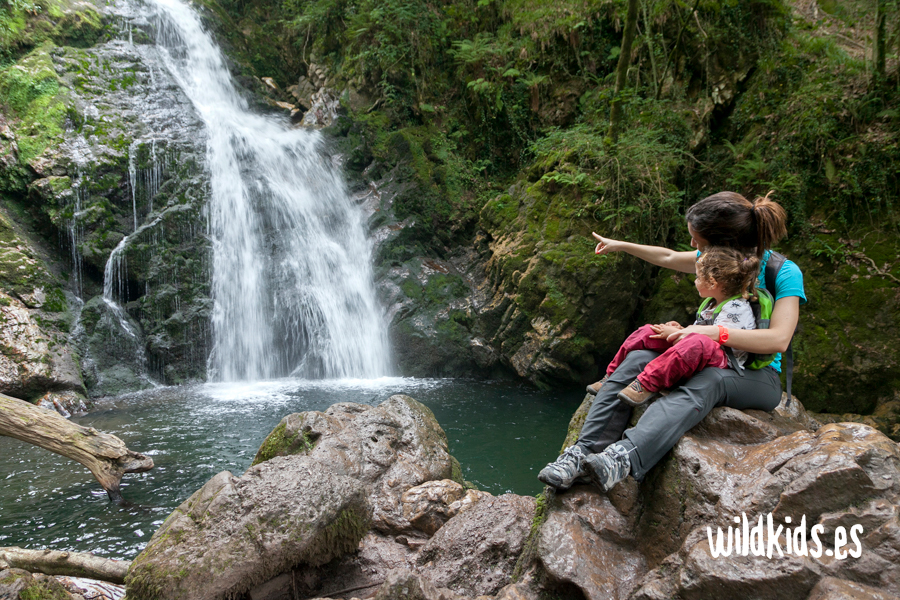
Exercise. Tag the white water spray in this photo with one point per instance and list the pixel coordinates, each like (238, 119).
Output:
(292, 282)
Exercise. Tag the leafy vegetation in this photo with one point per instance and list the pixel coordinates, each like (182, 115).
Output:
(490, 120)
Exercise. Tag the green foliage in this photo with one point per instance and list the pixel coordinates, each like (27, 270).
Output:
(806, 129)
(30, 91)
(628, 188)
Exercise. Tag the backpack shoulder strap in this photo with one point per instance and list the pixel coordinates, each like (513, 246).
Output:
(722, 304)
(773, 265)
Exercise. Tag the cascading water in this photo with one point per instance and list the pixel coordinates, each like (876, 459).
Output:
(291, 282)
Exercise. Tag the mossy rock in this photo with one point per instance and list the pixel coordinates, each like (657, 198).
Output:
(846, 359)
(289, 437)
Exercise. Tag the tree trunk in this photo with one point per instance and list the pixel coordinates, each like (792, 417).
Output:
(662, 80)
(105, 455)
(649, 33)
(615, 114)
(71, 564)
(880, 35)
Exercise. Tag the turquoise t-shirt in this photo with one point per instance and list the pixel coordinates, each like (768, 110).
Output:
(788, 282)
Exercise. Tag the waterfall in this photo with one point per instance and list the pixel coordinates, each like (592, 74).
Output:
(292, 284)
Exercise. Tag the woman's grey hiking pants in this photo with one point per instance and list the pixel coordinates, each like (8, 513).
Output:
(670, 417)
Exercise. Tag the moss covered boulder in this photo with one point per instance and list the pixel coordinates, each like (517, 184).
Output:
(321, 480)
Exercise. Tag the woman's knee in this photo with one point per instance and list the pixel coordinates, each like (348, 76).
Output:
(706, 389)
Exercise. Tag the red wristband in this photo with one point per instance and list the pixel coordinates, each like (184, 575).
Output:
(723, 334)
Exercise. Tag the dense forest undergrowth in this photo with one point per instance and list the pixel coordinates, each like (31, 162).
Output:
(494, 115)
(499, 112)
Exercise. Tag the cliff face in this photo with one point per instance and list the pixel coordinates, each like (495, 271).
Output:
(475, 138)
(101, 150)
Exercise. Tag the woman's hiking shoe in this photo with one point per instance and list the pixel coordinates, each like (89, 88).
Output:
(609, 467)
(595, 387)
(565, 470)
(634, 394)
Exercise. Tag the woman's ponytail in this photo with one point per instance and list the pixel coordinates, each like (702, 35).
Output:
(771, 223)
(728, 219)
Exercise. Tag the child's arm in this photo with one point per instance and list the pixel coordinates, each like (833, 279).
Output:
(662, 331)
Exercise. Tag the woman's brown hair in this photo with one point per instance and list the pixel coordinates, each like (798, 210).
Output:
(728, 219)
(732, 269)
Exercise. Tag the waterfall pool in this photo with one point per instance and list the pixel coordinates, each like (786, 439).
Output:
(502, 435)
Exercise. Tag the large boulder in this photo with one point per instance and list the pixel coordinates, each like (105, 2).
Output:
(652, 540)
(321, 480)
(234, 532)
(475, 552)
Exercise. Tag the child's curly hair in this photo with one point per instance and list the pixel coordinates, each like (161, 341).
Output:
(735, 271)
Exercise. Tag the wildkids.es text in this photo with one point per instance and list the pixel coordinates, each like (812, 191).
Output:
(765, 539)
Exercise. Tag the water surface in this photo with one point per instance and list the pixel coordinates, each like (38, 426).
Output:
(502, 435)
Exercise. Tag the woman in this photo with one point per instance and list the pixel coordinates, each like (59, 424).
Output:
(606, 452)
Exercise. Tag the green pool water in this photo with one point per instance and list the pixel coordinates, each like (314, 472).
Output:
(502, 435)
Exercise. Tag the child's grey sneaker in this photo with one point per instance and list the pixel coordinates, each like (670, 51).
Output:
(566, 470)
(609, 467)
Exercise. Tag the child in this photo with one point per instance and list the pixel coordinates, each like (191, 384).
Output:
(727, 277)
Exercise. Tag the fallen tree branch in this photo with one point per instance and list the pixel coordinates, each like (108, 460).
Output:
(72, 564)
(103, 454)
(875, 268)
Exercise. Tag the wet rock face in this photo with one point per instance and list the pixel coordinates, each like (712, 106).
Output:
(33, 360)
(109, 149)
(735, 463)
(113, 349)
(137, 170)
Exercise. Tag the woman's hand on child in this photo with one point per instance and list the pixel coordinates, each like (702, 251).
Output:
(710, 331)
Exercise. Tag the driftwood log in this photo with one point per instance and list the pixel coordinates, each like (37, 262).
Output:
(72, 564)
(104, 454)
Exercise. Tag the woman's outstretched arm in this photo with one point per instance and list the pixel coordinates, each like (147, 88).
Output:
(776, 338)
(655, 255)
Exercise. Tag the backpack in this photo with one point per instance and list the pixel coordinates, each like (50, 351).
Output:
(762, 312)
(773, 266)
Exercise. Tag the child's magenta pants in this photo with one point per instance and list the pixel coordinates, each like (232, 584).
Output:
(678, 361)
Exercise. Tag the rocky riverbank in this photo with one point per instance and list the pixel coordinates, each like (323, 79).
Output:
(363, 502)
